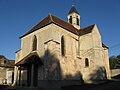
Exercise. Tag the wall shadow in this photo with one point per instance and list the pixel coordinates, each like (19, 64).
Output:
(50, 76)
(98, 74)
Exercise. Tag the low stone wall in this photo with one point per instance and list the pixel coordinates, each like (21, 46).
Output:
(115, 72)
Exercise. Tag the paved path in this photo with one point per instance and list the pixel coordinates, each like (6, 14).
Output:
(111, 85)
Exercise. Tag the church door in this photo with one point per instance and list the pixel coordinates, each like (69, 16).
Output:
(32, 75)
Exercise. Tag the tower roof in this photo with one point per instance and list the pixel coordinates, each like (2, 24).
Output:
(73, 9)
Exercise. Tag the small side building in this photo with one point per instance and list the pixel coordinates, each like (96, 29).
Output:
(6, 71)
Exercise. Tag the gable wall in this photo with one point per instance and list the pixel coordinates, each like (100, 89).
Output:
(68, 62)
(91, 48)
(27, 41)
(51, 35)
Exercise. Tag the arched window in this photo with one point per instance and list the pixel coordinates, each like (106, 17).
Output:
(34, 43)
(62, 46)
(70, 20)
(86, 62)
(77, 21)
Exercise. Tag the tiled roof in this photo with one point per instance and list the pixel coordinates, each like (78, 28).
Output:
(2, 57)
(86, 30)
(103, 45)
(53, 19)
(4, 62)
(72, 10)
(9, 63)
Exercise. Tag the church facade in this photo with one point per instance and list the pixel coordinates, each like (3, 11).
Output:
(59, 51)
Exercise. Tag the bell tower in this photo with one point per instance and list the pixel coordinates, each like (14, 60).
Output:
(74, 17)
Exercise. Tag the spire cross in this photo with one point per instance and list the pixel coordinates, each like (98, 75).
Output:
(73, 1)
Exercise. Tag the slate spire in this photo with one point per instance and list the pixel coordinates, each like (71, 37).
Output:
(73, 10)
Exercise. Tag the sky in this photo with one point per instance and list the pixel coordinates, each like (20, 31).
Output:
(18, 16)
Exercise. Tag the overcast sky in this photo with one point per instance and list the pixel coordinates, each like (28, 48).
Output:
(18, 16)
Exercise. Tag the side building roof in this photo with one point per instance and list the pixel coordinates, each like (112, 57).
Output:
(4, 62)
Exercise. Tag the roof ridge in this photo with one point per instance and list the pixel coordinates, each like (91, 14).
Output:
(35, 26)
(50, 15)
(86, 30)
(87, 26)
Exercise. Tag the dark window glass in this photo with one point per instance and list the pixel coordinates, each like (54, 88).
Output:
(77, 21)
(70, 20)
(86, 62)
(5, 61)
(62, 46)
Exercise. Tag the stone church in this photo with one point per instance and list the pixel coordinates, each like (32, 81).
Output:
(61, 53)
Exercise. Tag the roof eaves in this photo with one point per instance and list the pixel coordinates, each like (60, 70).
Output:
(36, 29)
(103, 45)
(17, 50)
(86, 30)
(32, 29)
(89, 26)
(6, 66)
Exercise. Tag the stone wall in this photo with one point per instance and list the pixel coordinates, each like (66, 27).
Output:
(115, 72)
(2, 75)
(6, 75)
